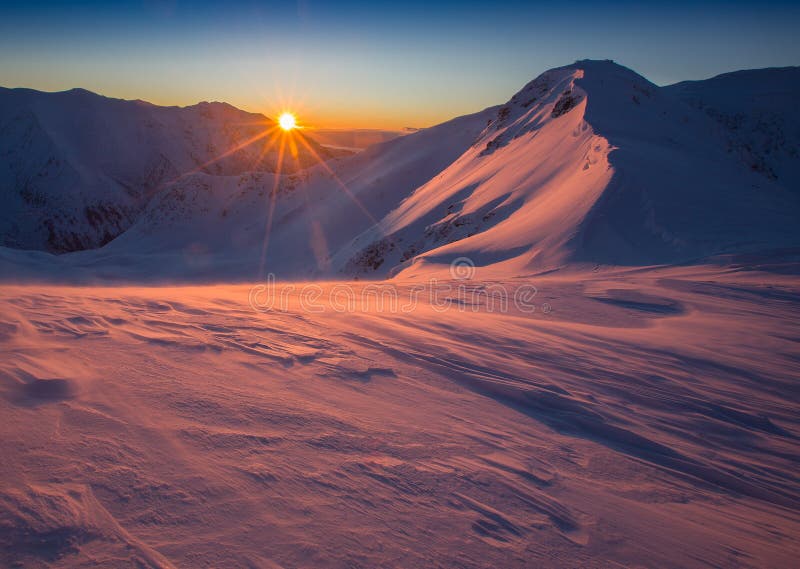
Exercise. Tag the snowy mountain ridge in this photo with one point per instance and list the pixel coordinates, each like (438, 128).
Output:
(757, 110)
(76, 168)
(589, 163)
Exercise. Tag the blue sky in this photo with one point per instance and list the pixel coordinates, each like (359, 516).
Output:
(373, 64)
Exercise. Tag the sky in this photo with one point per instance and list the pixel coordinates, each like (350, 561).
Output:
(357, 64)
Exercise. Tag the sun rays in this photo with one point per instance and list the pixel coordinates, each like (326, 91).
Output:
(289, 137)
(285, 136)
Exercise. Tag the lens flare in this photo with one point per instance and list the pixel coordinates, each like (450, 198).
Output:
(287, 121)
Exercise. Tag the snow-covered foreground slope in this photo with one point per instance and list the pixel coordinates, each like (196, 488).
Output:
(642, 418)
(76, 168)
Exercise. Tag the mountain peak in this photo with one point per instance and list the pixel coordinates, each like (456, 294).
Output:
(223, 110)
(81, 91)
(593, 75)
(612, 94)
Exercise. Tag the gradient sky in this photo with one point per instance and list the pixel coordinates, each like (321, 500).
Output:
(373, 64)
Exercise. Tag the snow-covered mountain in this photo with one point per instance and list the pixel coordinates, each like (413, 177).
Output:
(76, 168)
(214, 227)
(589, 163)
(758, 112)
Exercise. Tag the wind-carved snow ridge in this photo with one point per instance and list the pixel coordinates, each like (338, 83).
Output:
(599, 166)
(527, 110)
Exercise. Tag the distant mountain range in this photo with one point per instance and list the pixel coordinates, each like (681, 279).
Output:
(76, 168)
(356, 138)
(589, 163)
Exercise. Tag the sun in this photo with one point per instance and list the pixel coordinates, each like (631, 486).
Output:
(287, 121)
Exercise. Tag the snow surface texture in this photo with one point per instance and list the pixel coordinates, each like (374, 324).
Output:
(649, 419)
(639, 417)
(589, 163)
(77, 168)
